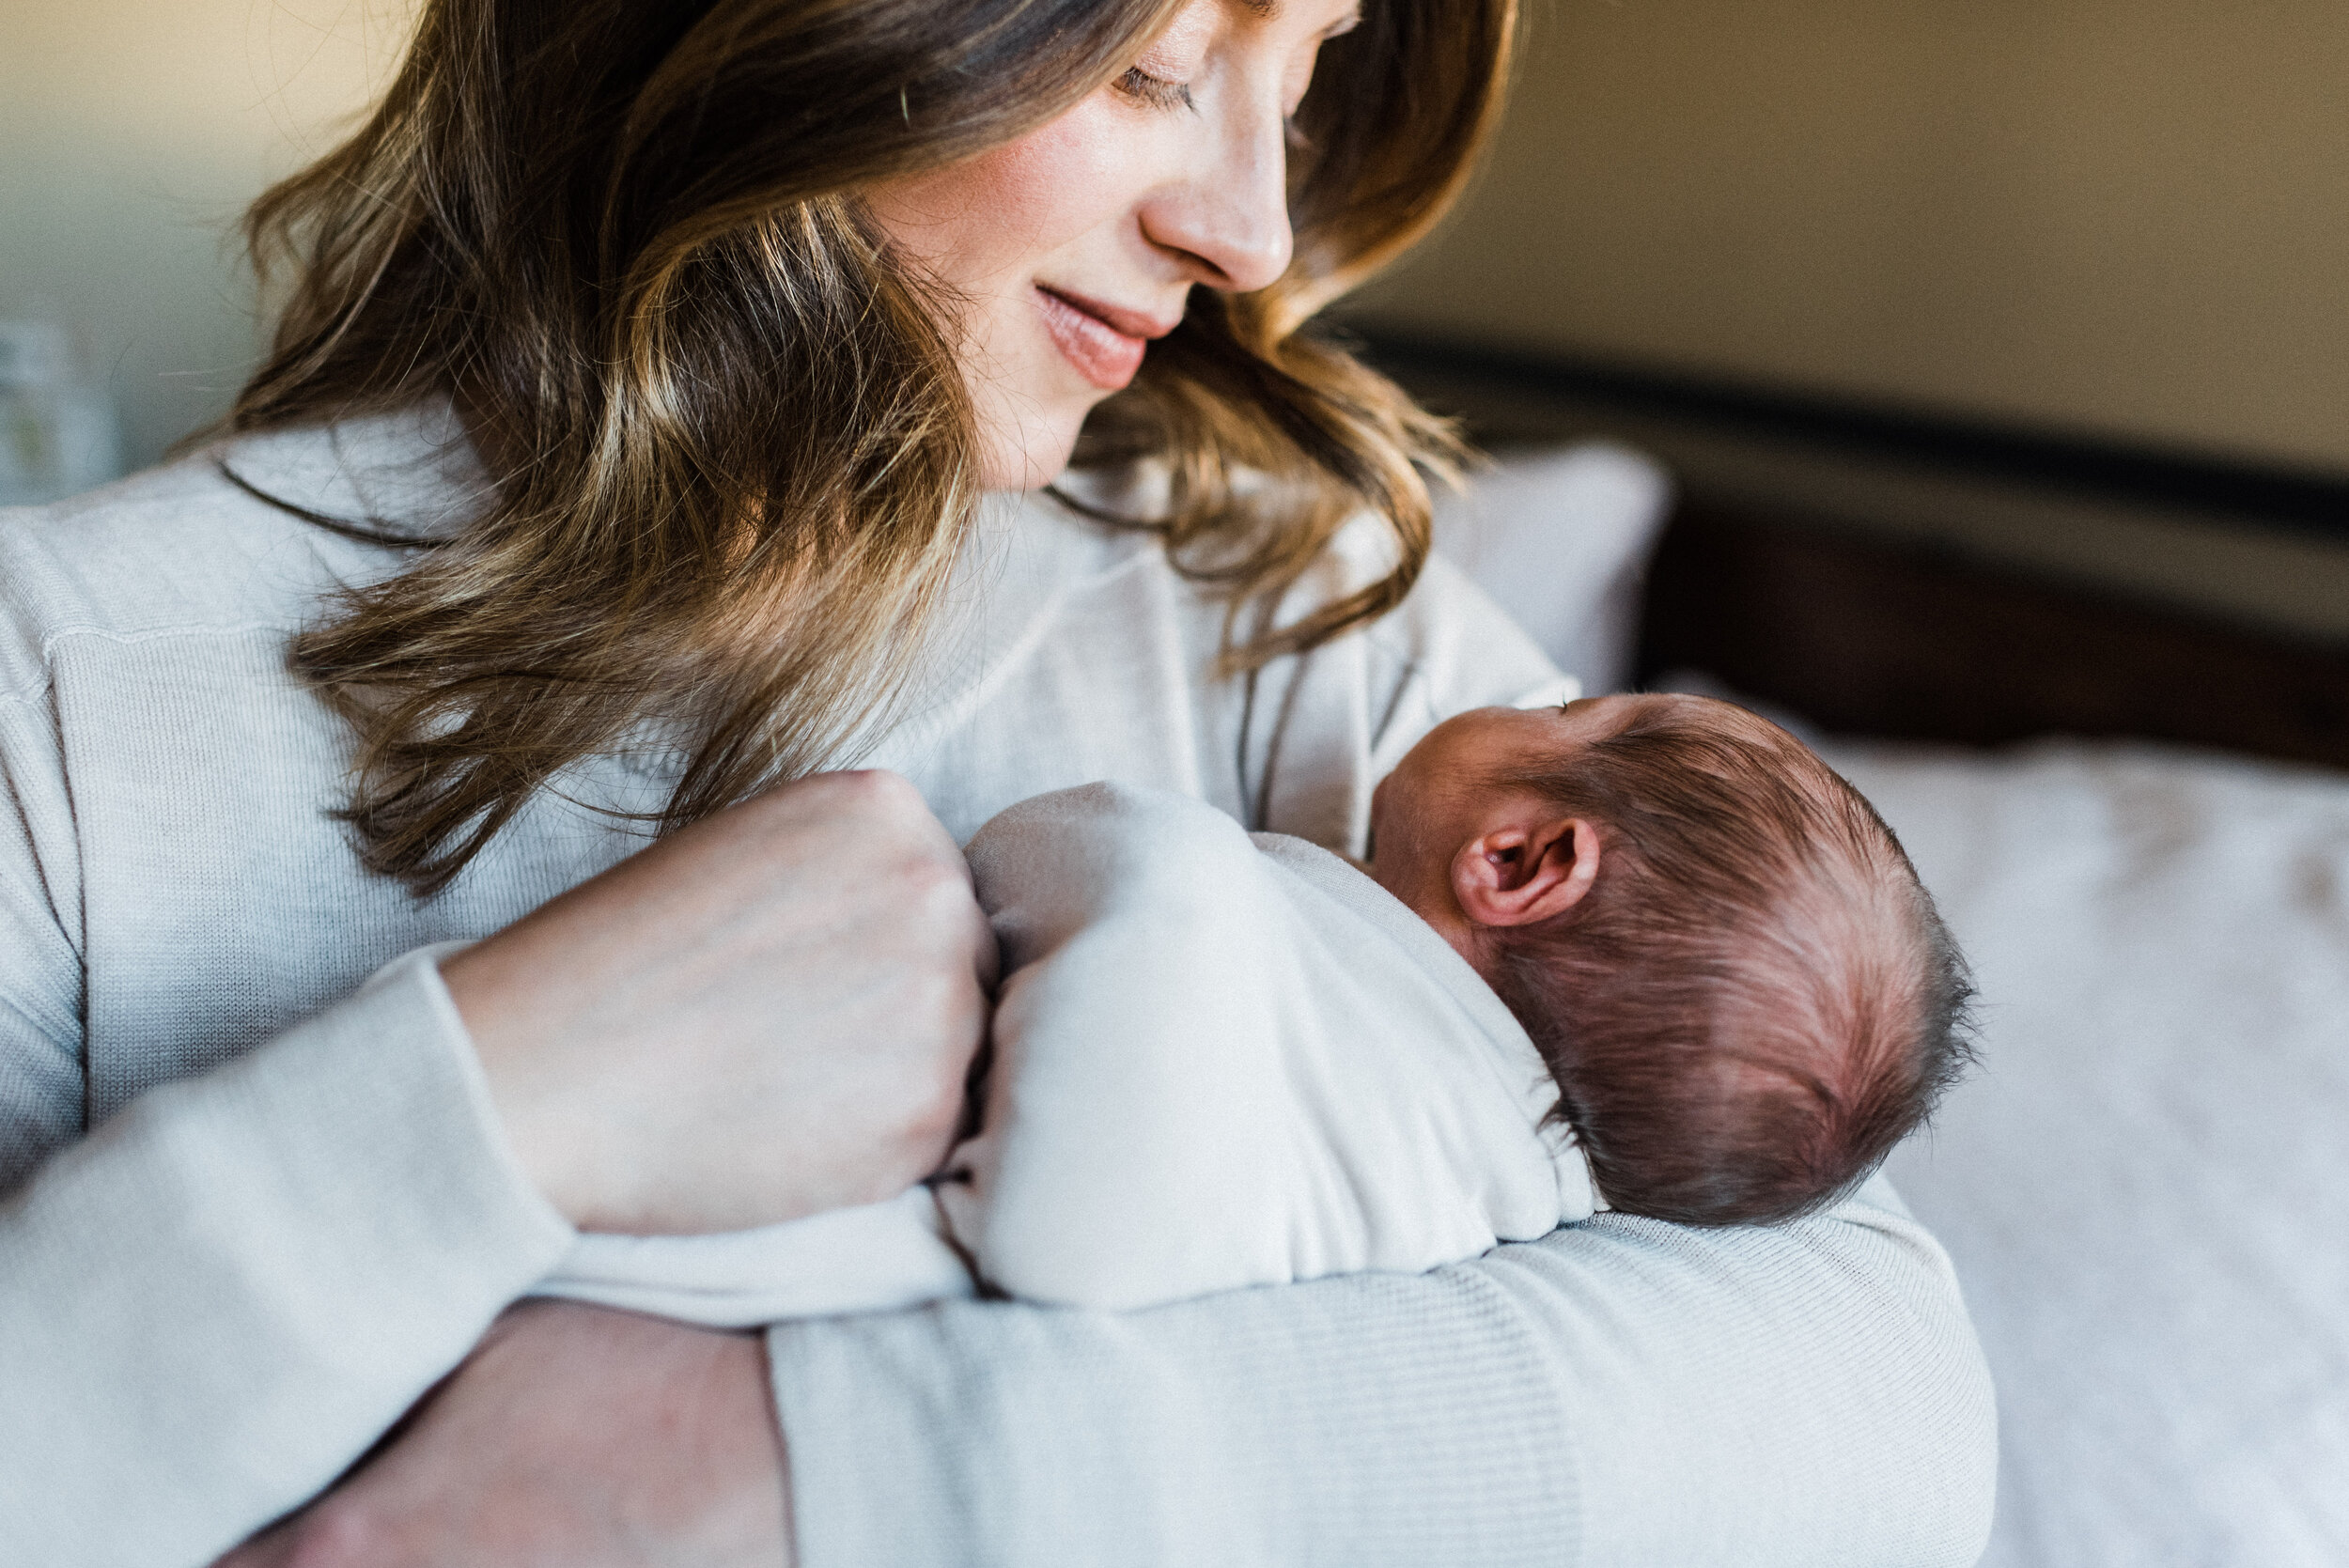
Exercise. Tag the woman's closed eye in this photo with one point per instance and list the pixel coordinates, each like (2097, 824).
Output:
(1156, 91)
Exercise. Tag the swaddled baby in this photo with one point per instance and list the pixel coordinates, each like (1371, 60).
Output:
(1645, 953)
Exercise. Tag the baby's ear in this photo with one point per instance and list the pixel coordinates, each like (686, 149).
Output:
(1525, 874)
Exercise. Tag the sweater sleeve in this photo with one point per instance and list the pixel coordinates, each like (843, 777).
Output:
(215, 1302)
(1623, 1392)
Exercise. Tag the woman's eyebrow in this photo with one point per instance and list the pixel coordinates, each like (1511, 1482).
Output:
(1270, 10)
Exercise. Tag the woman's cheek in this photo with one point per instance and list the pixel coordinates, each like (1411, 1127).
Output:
(1066, 179)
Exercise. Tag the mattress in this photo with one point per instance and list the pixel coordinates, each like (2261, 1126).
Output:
(2145, 1187)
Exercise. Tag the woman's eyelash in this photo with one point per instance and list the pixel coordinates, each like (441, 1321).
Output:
(1156, 91)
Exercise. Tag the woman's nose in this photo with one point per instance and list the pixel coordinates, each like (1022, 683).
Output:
(1229, 215)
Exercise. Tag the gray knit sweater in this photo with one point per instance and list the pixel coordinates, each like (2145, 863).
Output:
(252, 1211)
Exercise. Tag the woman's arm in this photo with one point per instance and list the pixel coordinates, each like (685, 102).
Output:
(575, 1437)
(1623, 1392)
(213, 1304)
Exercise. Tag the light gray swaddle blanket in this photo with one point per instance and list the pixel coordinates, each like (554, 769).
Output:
(1219, 1061)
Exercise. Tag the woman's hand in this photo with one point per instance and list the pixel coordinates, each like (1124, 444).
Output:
(764, 1016)
(573, 1437)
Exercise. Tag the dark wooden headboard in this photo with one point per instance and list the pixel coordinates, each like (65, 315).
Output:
(1870, 639)
(1869, 633)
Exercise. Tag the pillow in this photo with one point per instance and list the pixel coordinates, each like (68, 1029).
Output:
(1561, 540)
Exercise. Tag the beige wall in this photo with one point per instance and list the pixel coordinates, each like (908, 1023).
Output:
(2126, 216)
(132, 131)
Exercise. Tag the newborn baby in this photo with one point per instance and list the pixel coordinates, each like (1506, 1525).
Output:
(1645, 953)
(1727, 962)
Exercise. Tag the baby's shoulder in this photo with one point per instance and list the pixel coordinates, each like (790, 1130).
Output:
(1109, 830)
(1136, 868)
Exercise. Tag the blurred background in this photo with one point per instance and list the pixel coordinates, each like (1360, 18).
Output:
(135, 132)
(2000, 350)
(2110, 217)
(2022, 295)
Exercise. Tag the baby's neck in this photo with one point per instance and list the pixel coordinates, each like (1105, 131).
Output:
(1431, 899)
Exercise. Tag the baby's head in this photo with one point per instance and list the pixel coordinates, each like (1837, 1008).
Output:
(1744, 993)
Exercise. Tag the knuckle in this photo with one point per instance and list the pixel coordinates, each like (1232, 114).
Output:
(338, 1532)
(817, 796)
(878, 792)
(930, 900)
(941, 889)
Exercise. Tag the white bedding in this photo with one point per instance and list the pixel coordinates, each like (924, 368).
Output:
(2146, 1187)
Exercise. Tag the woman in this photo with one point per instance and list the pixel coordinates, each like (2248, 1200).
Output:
(621, 454)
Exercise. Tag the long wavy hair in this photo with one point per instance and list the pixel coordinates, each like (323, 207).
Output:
(733, 457)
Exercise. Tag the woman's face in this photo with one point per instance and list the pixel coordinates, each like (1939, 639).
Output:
(1072, 247)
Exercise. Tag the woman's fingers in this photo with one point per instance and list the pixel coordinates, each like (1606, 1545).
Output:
(766, 1014)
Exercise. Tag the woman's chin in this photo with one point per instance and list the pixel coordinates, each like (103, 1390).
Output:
(1027, 459)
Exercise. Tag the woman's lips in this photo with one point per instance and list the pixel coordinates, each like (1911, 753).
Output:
(1104, 354)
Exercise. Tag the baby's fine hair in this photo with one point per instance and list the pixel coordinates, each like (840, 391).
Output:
(1757, 1000)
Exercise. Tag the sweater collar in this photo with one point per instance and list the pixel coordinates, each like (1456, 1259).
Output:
(411, 472)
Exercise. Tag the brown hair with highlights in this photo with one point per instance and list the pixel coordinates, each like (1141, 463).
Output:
(1757, 999)
(733, 457)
